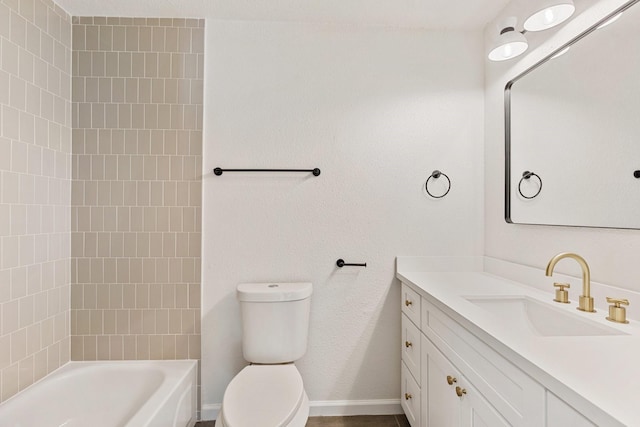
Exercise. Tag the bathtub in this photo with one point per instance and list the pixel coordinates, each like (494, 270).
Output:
(108, 394)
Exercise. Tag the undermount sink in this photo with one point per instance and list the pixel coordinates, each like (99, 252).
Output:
(537, 318)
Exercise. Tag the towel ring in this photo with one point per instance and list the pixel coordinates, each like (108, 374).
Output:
(527, 175)
(435, 175)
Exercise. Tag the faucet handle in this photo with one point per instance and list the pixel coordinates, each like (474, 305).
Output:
(562, 295)
(616, 313)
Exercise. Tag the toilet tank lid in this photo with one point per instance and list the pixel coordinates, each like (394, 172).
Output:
(274, 291)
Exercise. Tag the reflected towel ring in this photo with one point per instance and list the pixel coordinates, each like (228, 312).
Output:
(527, 175)
(435, 175)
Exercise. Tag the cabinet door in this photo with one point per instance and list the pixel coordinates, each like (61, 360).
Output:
(475, 411)
(442, 405)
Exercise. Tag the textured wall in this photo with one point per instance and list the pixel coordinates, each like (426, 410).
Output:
(35, 190)
(612, 254)
(377, 110)
(135, 215)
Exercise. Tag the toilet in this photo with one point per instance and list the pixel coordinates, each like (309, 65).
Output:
(275, 325)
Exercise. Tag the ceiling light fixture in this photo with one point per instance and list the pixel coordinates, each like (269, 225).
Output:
(509, 43)
(548, 14)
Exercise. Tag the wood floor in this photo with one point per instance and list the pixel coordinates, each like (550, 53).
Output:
(356, 421)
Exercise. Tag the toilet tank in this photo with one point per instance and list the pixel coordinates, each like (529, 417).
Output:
(275, 321)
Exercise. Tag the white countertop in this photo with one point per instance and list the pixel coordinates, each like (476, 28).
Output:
(602, 371)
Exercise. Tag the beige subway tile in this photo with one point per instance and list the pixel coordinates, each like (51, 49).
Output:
(129, 347)
(90, 348)
(40, 365)
(171, 40)
(155, 347)
(123, 271)
(135, 270)
(194, 346)
(135, 317)
(117, 244)
(124, 63)
(98, 64)
(97, 269)
(142, 347)
(10, 381)
(115, 295)
(102, 296)
(182, 244)
(169, 347)
(116, 347)
(119, 37)
(124, 116)
(102, 343)
(131, 38)
(130, 249)
(144, 90)
(109, 321)
(83, 322)
(110, 270)
(90, 298)
(149, 219)
(149, 321)
(96, 322)
(104, 247)
(26, 372)
(138, 64)
(162, 321)
(122, 321)
(144, 39)
(194, 295)
(148, 275)
(124, 214)
(155, 244)
(137, 219)
(137, 116)
(182, 347)
(162, 272)
(106, 38)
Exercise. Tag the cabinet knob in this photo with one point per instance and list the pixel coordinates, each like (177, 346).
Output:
(461, 391)
(408, 302)
(408, 344)
(407, 396)
(451, 380)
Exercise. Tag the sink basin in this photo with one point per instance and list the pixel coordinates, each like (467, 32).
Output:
(537, 318)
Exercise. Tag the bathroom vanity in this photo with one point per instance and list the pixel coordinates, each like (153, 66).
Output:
(481, 350)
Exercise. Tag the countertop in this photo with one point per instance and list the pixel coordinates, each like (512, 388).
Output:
(595, 374)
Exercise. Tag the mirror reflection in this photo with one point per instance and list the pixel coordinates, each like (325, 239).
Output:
(573, 131)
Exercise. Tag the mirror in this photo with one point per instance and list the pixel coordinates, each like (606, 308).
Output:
(573, 131)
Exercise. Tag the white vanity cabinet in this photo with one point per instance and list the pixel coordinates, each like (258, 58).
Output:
(451, 378)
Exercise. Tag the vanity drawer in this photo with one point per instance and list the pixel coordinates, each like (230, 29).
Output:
(410, 398)
(411, 304)
(411, 347)
(516, 396)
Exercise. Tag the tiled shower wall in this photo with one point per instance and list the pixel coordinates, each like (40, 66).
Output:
(136, 194)
(35, 191)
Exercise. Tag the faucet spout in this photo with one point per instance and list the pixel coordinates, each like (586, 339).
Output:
(586, 301)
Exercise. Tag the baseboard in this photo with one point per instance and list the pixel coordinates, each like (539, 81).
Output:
(331, 408)
(210, 411)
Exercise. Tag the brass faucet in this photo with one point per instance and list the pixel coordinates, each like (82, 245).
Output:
(586, 300)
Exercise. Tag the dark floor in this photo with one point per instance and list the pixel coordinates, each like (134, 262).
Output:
(357, 421)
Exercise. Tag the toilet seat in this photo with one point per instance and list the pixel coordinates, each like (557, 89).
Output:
(263, 395)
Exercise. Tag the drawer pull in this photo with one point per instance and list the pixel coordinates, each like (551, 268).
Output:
(408, 344)
(407, 396)
(408, 302)
(460, 391)
(451, 380)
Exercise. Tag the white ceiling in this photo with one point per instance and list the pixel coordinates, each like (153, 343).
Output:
(430, 14)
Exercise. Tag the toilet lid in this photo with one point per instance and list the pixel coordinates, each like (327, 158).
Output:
(263, 395)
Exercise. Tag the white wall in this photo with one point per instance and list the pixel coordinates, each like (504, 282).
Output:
(611, 254)
(376, 109)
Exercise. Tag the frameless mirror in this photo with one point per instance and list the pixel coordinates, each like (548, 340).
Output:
(573, 131)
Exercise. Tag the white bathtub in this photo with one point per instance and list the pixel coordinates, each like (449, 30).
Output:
(108, 394)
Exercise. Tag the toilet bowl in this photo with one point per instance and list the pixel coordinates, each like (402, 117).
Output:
(265, 396)
(275, 324)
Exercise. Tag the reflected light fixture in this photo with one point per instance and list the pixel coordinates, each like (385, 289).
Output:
(610, 21)
(548, 14)
(509, 43)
